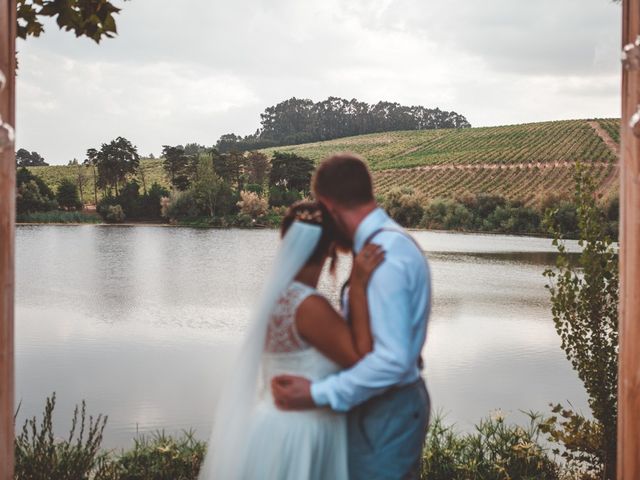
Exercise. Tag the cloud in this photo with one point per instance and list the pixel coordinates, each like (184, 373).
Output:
(191, 71)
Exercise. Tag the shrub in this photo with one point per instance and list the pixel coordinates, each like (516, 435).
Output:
(495, 451)
(252, 204)
(182, 205)
(282, 197)
(585, 313)
(40, 455)
(404, 206)
(161, 457)
(446, 214)
(67, 195)
(115, 214)
(30, 199)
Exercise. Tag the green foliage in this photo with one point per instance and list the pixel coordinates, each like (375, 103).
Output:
(90, 18)
(404, 206)
(161, 457)
(176, 164)
(443, 213)
(495, 451)
(257, 167)
(282, 197)
(58, 216)
(299, 120)
(24, 158)
(585, 313)
(228, 166)
(39, 455)
(67, 195)
(32, 194)
(291, 172)
(115, 161)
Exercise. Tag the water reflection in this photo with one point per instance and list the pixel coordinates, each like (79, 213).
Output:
(142, 322)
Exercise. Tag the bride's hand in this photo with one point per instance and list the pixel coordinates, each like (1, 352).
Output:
(365, 263)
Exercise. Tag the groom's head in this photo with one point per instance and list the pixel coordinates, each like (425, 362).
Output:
(342, 183)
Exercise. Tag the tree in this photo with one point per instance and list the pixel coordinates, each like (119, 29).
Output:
(256, 167)
(67, 195)
(175, 165)
(90, 18)
(300, 120)
(115, 161)
(585, 313)
(24, 158)
(212, 194)
(33, 195)
(291, 171)
(228, 166)
(92, 160)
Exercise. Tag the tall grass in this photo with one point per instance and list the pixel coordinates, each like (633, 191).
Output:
(496, 450)
(58, 216)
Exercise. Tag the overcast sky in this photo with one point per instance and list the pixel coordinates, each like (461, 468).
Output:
(191, 70)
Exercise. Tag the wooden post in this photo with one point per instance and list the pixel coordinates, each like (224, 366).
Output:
(7, 232)
(629, 373)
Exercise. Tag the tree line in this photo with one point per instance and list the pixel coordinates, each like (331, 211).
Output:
(297, 120)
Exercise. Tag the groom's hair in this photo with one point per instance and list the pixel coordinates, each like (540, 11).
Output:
(345, 179)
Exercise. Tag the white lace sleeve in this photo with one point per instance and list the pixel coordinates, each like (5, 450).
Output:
(282, 334)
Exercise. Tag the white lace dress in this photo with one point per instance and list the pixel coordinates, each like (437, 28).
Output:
(295, 445)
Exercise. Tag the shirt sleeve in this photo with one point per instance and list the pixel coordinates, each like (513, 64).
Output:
(389, 304)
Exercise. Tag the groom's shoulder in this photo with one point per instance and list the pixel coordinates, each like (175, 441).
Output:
(398, 242)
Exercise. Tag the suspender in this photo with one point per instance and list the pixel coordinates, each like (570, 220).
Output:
(368, 241)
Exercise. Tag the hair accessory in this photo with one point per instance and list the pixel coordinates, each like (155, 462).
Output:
(309, 216)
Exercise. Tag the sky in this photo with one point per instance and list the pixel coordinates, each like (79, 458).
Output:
(192, 70)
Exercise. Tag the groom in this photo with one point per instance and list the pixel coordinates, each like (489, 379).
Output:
(384, 393)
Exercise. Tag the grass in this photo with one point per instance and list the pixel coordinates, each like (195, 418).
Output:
(58, 216)
(558, 141)
(151, 170)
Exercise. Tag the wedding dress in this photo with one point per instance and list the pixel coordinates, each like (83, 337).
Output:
(251, 439)
(293, 445)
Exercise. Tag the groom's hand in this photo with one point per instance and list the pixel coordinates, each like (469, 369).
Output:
(292, 393)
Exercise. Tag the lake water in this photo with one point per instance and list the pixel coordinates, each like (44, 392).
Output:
(141, 322)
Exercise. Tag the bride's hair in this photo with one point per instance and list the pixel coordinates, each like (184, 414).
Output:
(316, 214)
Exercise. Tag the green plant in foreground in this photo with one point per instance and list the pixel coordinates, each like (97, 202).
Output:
(40, 455)
(495, 451)
(161, 457)
(585, 312)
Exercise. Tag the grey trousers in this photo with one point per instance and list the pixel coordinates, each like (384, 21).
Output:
(387, 433)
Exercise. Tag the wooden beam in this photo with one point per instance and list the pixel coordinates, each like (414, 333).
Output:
(7, 235)
(629, 372)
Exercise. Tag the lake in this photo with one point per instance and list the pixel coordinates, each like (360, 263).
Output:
(142, 322)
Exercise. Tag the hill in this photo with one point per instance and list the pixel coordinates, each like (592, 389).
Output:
(520, 162)
(517, 161)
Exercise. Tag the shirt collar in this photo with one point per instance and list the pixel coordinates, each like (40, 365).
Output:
(372, 222)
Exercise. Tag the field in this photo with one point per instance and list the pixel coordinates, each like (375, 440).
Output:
(522, 162)
(151, 170)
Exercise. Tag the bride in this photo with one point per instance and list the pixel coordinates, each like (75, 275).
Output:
(294, 330)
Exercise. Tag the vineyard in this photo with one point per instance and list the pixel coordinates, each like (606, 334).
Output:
(519, 162)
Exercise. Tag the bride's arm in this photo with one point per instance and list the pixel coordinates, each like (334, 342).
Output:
(325, 329)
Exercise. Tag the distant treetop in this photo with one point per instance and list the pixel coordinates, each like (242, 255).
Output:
(296, 121)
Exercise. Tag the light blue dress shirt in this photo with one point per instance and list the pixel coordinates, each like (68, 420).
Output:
(399, 298)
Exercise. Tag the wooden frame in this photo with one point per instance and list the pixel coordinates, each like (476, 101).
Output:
(7, 235)
(629, 388)
(629, 373)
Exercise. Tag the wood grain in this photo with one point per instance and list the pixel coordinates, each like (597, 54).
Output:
(7, 236)
(629, 373)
